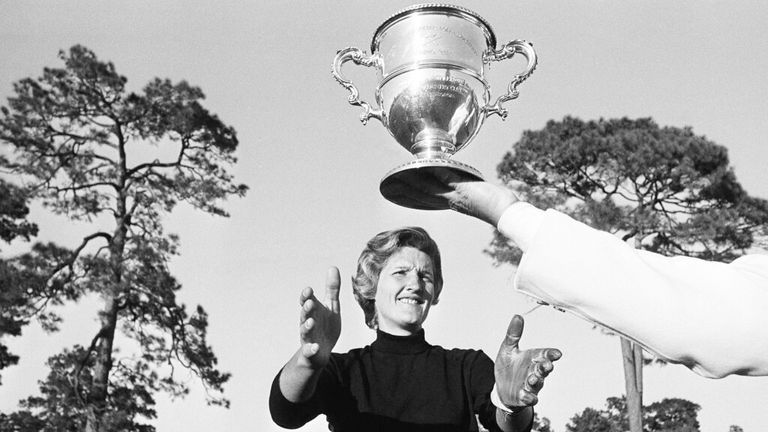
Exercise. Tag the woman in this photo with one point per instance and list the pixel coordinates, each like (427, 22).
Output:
(400, 382)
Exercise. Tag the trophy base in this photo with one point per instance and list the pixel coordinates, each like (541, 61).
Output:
(394, 186)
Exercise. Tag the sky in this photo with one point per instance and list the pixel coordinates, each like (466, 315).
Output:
(314, 170)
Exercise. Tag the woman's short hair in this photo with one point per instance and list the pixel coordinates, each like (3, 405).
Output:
(375, 255)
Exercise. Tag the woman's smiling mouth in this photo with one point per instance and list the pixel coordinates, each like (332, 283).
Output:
(410, 300)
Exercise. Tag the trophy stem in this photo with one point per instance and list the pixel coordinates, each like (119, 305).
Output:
(433, 144)
(433, 149)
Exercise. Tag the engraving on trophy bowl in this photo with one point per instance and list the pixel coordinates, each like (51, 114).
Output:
(433, 33)
(434, 116)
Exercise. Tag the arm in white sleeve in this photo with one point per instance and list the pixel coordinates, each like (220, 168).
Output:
(710, 316)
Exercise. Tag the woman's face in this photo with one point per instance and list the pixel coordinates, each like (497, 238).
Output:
(405, 291)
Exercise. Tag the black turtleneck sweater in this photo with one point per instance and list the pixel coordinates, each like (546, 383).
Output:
(398, 383)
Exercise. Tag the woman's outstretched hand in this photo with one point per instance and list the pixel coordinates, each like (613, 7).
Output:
(320, 322)
(319, 329)
(520, 373)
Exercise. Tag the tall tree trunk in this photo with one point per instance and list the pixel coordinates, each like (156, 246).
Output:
(97, 400)
(632, 356)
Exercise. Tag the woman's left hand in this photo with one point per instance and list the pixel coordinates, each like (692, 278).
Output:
(520, 373)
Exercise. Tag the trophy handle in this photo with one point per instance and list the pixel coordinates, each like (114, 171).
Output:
(360, 58)
(507, 51)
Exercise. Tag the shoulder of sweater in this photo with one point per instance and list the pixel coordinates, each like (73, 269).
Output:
(468, 353)
(354, 352)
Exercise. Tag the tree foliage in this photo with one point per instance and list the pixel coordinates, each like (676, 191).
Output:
(667, 415)
(669, 189)
(541, 424)
(14, 211)
(115, 161)
(672, 415)
(14, 312)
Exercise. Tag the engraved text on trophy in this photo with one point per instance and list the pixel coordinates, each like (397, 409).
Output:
(434, 116)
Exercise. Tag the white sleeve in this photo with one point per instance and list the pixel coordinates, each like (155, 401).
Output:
(709, 316)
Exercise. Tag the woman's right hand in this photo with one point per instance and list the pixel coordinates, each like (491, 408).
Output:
(319, 322)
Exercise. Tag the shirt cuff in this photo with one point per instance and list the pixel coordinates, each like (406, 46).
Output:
(519, 223)
(496, 400)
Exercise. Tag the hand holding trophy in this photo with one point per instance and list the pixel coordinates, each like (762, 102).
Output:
(432, 95)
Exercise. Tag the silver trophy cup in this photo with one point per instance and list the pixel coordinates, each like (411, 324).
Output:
(432, 95)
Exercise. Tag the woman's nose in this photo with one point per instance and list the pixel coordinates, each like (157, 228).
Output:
(413, 281)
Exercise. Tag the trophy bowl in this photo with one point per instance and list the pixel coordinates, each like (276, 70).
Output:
(432, 95)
